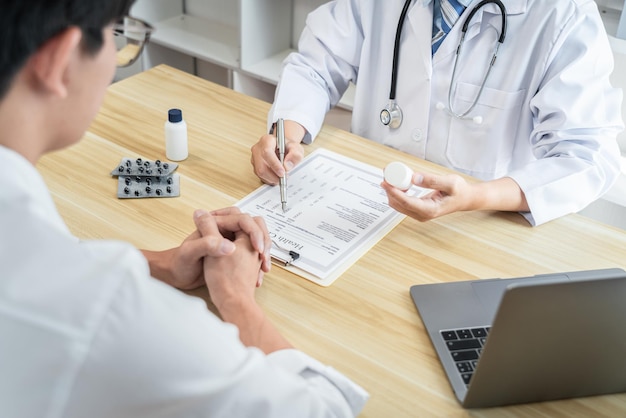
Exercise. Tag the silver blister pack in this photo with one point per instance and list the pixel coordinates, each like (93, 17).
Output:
(134, 187)
(141, 167)
(139, 178)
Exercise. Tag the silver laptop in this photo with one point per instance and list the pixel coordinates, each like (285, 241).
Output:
(529, 339)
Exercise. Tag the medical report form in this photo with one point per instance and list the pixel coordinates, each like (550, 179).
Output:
(337, 211)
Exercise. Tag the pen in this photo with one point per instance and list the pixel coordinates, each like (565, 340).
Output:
(280, 136)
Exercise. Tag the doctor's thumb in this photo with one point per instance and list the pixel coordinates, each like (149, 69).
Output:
(418, 179)
(432, 181)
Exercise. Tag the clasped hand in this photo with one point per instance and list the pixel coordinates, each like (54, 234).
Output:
(225, 244)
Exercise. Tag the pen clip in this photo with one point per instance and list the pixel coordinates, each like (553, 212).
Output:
(293, 256)
(280, 139)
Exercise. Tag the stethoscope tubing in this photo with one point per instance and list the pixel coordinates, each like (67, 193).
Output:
(396, 56)
(459, 48)
(396, 51)
(478, 7)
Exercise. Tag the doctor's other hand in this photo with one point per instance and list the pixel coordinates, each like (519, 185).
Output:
(450, 193)
(265, 159)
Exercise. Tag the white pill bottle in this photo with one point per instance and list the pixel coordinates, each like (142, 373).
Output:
(398, 175)
(176, 148)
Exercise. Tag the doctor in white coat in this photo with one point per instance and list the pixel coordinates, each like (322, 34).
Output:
(541, 137)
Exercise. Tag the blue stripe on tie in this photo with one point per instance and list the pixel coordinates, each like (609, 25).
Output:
(450, 12)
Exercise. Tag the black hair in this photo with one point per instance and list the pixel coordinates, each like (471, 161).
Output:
(25, 25)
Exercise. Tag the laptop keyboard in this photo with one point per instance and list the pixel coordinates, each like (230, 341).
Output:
(465, 346)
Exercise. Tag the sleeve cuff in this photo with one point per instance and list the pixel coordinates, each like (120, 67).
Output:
(297, 362)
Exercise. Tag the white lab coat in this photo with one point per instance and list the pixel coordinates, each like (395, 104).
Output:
(550, 115)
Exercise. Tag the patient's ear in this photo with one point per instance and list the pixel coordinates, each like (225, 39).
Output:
(50, 63)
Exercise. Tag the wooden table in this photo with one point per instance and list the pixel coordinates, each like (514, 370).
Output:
(365, 324)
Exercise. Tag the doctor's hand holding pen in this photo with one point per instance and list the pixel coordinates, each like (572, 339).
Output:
(453, 193)
(265, 158)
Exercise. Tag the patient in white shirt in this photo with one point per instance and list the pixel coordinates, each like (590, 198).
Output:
(87, 329)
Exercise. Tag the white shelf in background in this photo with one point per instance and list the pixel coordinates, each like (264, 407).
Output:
(347, 101)
(208, 40)
(268, 70)
(614, 23)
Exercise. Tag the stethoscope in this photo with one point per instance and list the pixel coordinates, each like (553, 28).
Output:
(391, 115)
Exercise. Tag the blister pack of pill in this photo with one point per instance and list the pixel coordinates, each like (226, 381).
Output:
(139, 178)
(141, 167)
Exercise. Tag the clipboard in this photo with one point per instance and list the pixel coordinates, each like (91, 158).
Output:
(287, 261)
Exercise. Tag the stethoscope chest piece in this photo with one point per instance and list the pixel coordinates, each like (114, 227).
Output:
(391, 115)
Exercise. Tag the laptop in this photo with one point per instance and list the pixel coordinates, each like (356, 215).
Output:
(529, 339)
